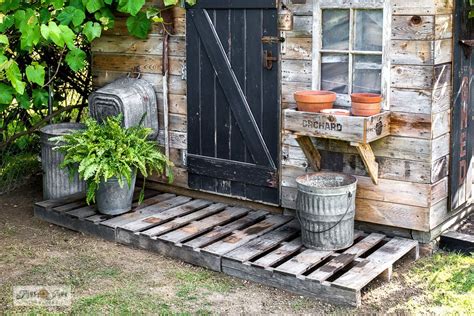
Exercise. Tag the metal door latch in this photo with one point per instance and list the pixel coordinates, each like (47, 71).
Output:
(268, 59)
(272, 39)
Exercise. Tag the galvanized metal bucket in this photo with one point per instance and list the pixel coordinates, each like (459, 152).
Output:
(325, 207)
(111, 199)
(134, 98)
(56, 181)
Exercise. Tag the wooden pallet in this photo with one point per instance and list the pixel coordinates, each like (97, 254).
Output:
(249, 244)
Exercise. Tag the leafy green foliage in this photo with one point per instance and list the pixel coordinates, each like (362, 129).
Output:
(139, 25)
(103, 151)
(76, 59)
(40, 37)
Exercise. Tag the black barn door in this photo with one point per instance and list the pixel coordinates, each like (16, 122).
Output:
(462, 134)
(233, 100)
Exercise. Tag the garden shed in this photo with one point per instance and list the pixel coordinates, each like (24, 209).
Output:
(226, 106)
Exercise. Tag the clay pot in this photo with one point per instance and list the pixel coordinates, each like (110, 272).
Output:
(366, 98)
(314, 101)
(365, 109)
(339, 112)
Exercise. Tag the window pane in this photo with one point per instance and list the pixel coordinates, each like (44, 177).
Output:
(368, 30)
(336, 29)
(367, 73)
(335, 73)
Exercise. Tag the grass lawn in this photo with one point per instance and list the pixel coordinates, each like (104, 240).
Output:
(107, 278)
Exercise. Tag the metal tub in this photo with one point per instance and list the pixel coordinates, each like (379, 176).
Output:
(56, 181)
(131, 97)
(325, 207)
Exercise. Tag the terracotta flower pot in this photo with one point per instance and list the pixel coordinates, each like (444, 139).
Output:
(339, 112)
(366, 98)
(365, 109)
(314, 101)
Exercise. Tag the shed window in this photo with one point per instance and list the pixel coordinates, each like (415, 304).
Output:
(349, 50)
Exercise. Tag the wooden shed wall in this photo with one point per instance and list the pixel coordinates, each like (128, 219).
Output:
(413, 161)
(412, 192)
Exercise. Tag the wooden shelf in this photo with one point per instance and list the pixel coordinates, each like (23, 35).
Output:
(358, 131)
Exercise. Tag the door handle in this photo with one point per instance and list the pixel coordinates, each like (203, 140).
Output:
(268, 59)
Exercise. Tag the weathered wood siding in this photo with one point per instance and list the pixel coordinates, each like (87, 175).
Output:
(413, 161)
(412, 193)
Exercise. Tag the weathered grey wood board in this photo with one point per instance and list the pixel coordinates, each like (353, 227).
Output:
(249, 244)
(348, 128)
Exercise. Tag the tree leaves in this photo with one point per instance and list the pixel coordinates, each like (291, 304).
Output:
(139, 25)
(92, 30)
(93, 5)
(35, 74)
(6, 94)
(68, 36)
(27, 27)
(40, 98)
(71, 14)
(4, 40)
(76, 59)
(14, 75)
(53, 33)
(130, 6)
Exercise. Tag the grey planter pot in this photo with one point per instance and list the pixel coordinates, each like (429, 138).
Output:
(111, 199)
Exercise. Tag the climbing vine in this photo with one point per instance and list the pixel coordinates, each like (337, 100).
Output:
(45, 43)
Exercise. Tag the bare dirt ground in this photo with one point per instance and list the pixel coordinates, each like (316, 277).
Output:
(111, 278)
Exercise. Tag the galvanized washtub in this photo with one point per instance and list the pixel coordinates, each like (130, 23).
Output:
(325, 207)
(56, 181)
(134, 98)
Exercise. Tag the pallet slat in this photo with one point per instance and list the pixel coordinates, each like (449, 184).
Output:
(303, 261)
(348, 256)
(240, 237)
(279, 254)
(379, 261)
(156, 219)
(70, 206)
(198, 227)
(263, 243)
(219, 232)
(83, 212)
(168, 201)
(181, 221)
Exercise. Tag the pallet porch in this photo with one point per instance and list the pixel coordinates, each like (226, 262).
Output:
(249, 244)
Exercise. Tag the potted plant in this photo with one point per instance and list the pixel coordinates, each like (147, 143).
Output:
(108, 156)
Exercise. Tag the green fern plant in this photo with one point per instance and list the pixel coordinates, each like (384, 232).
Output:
(105, 150)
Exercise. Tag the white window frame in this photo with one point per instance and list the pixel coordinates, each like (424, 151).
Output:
(318, 6)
